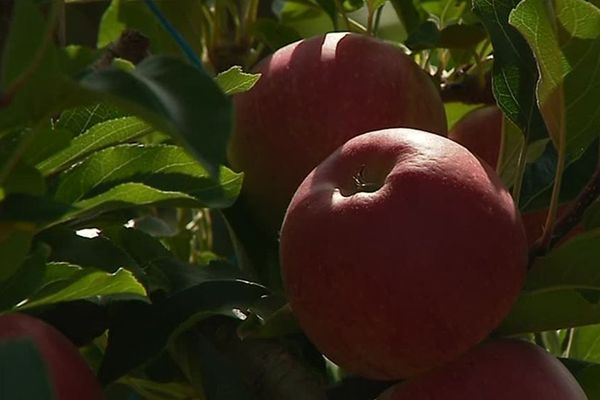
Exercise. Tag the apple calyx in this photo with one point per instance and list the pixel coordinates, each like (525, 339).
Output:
(363, 184)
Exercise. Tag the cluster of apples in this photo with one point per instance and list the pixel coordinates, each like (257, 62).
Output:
(69, 376)
(401, 250)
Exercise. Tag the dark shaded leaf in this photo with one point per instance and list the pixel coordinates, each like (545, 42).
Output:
(515, 72)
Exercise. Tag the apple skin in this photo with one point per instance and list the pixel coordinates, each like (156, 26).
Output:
(69, 374)
(499, 369)
(480, 131)
(314, 95)
(393, 281)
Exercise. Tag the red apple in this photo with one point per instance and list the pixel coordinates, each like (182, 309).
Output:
(70, 376)
(312, 97)
(480, 131)
(501, 369)
(400, 252)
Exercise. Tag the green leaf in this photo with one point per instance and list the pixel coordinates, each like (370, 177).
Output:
(539, 177)
(80, 119)
(589, 379)
(330, 9)
(570, 266)
(124, 196)
(139, 331)
(47, 143)
(548, 310)
(15, 241)
(305, 17)
(24, 179)
(461, 36)
(426, 36)
(23, 371)
(410, 13)
(565, 37)
(32, 209)
(100, 136)
(591, 217)
(67, 282)
(31, 68)
(168, 168)
(175, 98)
(515, 72)
(25, 43)
(561, 289)
(585, 343)
(234, 80)
(274, 34)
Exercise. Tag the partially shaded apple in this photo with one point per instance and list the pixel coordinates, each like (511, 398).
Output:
(70, 376)
(480, 131)
(502, 369)
(401, 251)
(312, 97)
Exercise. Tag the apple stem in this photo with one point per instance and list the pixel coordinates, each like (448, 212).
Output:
(521, 164)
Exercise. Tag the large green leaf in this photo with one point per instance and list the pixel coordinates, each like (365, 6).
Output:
(176, 98)
(168, 168)
(67, 282)
(101, 135)
(124, 196)
(23, 371)
(561, 289)
(515, 72)
(565, 37)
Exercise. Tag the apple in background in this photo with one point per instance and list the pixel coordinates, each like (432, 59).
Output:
(401, 251)
(312, 97)
(480, 131)
(69, 374)
(501, 369)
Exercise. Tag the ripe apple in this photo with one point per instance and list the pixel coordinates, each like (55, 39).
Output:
(480, 131)
(502, 369)
(312, 97)
(400, 252)
(69, 374)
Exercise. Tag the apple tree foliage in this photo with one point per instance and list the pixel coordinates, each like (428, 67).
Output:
(118, 221)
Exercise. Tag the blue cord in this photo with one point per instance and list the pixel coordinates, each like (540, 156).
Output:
(166, 24)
